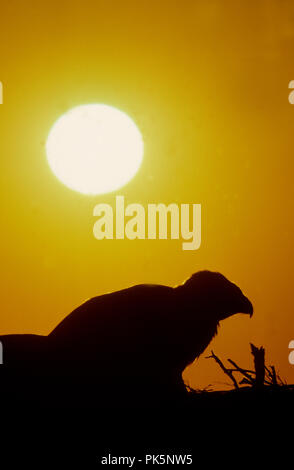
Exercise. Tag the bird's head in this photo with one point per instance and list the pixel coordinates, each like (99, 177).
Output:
(216, 295)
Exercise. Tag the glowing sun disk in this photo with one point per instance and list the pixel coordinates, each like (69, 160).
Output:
(94, 148)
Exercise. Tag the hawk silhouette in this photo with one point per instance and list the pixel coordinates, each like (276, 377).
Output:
(129, 346)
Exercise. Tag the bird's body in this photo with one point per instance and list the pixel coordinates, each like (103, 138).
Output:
(136, 341)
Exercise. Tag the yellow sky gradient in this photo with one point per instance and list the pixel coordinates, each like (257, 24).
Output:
(207, 84)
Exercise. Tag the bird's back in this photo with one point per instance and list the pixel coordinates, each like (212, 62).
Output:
(124, 311)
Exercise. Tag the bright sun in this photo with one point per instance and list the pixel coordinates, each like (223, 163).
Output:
(94, 148)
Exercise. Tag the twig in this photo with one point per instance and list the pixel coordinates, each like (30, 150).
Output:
(274, 375)
(240, 369)
(243, 371)
(226, 371)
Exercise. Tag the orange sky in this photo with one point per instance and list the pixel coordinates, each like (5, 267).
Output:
(207, 84)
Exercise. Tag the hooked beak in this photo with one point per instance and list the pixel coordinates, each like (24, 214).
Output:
(246, 306)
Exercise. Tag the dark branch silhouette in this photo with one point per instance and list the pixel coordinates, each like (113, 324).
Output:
(260, 377)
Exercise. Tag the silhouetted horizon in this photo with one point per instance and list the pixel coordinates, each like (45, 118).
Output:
(129, 347)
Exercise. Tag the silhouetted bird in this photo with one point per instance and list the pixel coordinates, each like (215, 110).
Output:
(129, 346)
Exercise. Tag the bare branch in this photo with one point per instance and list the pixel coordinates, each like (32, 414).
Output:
(242, 371)
(223, 367)
(259, 364)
